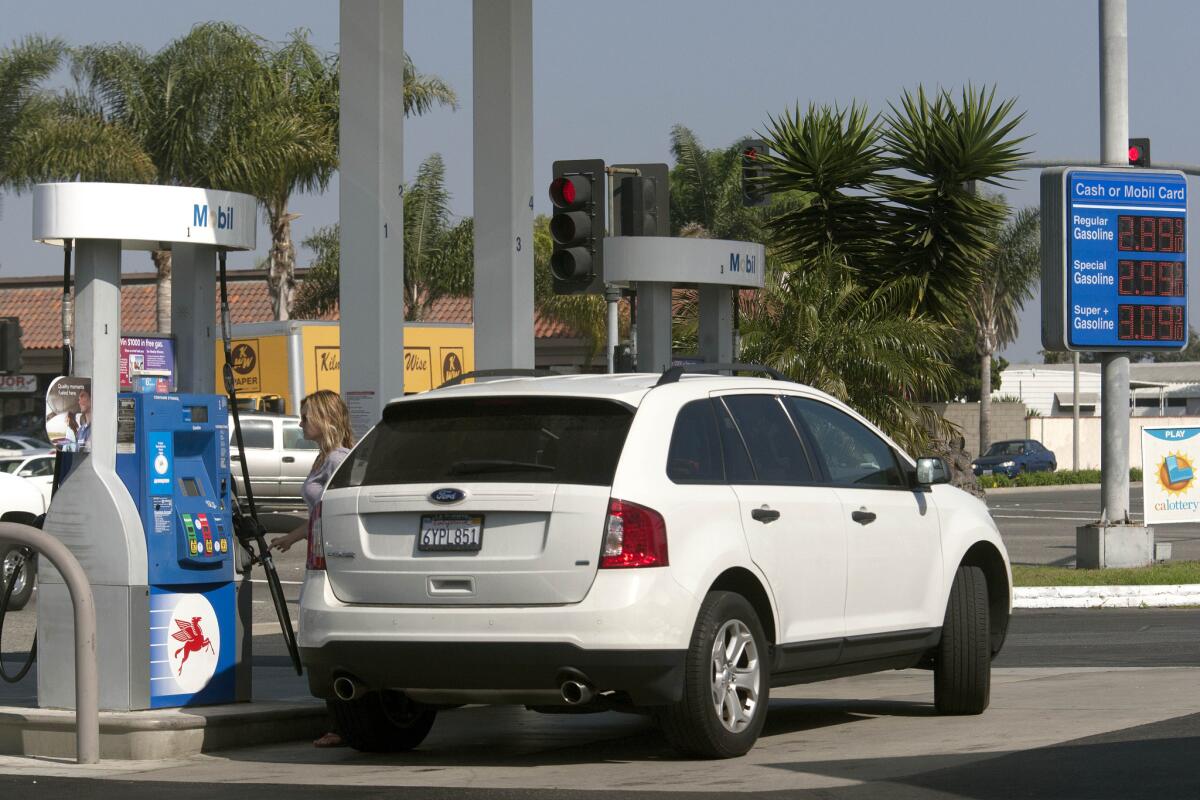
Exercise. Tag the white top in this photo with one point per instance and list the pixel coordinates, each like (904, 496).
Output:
(314, 484)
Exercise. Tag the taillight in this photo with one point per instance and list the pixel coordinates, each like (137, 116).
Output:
(316, 541)
(634, 536)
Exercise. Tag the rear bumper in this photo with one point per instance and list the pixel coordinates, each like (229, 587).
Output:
(629, 634)
(520, 672)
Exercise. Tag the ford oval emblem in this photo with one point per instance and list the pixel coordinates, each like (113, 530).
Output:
(447, 495)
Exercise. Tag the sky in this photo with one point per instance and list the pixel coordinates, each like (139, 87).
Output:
(721, 68)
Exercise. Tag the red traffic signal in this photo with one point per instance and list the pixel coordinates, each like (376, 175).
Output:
(570, 191)
(1139, 152)
(577, 226)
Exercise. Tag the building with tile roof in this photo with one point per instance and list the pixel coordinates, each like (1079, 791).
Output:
(37, 303)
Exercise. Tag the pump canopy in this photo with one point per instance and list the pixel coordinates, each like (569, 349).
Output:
(143, 216)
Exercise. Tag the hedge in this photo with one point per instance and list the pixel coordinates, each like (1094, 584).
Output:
(1062, 477)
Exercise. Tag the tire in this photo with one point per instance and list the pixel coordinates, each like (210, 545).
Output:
(23, 590)
(707, 724)
(382, 722)
(962, 670)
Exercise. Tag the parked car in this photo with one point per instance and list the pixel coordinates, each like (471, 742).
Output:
(14, 443)
(278, 457)
(20, 501)
(38, 470)
(1014, 456)
(681, 546)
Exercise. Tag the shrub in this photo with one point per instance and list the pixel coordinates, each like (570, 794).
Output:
(1063, 477)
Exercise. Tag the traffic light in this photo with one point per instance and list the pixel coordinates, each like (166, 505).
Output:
(10, 344)
(1139, 152)
(577, 226)
(753, 172)
(642, 203)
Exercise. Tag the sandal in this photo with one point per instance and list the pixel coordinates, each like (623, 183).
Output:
(330, 739)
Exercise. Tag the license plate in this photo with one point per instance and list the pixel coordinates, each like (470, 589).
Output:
(463, 532)
(987, 472)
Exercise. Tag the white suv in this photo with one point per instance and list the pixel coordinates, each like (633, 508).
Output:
(672, 544)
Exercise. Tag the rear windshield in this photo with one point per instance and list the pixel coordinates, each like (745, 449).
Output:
(491, 440)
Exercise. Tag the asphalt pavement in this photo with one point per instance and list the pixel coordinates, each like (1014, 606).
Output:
(1038, 525)
(1085, 704)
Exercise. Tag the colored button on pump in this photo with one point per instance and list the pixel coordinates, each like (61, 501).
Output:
(206, 532)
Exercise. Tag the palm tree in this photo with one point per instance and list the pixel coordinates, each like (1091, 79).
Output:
(892, 200)
(706, 191)
(438, 256)
(941, 227)
(1007, 282)
(23, 67)
(177, 104)
(292, 118)
(821, 327)
(282, 137)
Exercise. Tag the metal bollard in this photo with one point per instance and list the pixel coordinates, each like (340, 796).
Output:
(87, 686)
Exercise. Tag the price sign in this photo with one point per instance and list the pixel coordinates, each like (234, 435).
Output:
(1114, 259)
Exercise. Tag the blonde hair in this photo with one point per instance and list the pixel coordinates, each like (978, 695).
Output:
(332, 419)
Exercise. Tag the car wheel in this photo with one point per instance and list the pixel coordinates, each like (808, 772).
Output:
(962, 670)
(22, 590)
(726, 682)
(382, 722)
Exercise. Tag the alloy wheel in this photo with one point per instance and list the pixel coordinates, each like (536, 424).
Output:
(736, 676)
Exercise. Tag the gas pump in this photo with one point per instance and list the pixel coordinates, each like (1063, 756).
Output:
(177, 471)
(148, 509)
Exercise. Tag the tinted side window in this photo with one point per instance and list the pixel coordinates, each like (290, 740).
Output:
(853, 454)
(775, 449)
(695, 453)
(293, 438)
(257, 433)
(737, 460)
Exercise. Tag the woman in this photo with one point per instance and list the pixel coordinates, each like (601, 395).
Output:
(324, 419)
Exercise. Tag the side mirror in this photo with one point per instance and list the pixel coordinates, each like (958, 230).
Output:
(25, 473)
(931, 470)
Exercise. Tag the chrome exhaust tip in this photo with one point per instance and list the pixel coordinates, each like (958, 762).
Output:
(347, 688)
(576, 693)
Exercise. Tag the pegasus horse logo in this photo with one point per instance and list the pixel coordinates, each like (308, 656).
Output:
(192, 637)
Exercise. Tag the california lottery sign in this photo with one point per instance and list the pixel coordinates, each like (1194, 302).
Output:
(1170, 457)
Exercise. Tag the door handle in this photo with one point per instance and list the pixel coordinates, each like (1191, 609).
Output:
(863, 517)
(765, 515)
(288, 460)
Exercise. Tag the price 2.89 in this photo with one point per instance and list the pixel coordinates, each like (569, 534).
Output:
(1142, 234)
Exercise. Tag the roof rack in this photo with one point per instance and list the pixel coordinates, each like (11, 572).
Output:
(504, 372)
(673, 374)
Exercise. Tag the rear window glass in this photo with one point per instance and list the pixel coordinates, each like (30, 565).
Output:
(491, 440)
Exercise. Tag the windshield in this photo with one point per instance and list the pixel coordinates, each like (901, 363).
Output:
(511, 439)
(1006, 449)
(10, 465)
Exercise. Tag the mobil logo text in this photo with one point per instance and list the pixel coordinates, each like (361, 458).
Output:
(743, 262)
(222, 220)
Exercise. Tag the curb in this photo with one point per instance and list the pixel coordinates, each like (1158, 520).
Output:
(1161, 596)
(1062, 487)
(162, 733)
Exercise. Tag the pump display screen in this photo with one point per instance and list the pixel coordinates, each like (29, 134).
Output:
(199, 413)
(189, 487)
